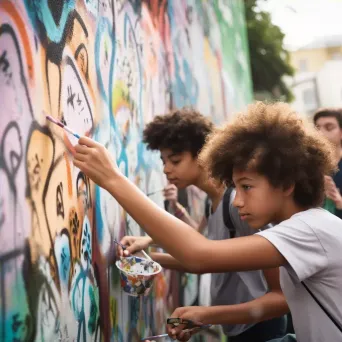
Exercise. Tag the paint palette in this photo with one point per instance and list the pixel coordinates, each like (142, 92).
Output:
(137, 275)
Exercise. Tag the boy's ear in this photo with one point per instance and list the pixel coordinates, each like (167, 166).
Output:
(288, 190)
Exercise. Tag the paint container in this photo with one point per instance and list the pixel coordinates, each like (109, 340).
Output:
(137, 275)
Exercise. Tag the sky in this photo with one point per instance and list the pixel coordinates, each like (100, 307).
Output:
(304, 20)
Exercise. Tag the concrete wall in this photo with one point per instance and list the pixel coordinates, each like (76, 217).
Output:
(105, 68)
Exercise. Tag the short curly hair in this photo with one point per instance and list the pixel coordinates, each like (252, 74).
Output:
(180, 130)
(274, 141)
(329, 112)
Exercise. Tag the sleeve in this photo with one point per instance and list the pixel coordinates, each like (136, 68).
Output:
(299, 245)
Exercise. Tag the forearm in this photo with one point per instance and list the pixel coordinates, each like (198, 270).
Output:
(189, 220)
(165, 230)
(169, 262)
(192, 249)
(271, 305)
(180, 212)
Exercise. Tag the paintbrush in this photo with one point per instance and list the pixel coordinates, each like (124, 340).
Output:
(154, 192)
(203, 327)
(60, 124)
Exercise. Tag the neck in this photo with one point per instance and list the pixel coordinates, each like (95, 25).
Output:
(214, 191)
(290, 208)
(338, 153)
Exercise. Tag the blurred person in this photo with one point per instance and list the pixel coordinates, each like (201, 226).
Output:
(329, 123)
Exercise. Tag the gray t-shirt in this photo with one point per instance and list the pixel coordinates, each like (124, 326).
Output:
(234, 287)
(311, 242)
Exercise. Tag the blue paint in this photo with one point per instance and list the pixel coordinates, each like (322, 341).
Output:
(103, 28)
(185, 91)
(65, 264)
(39, 11)
(98, 214)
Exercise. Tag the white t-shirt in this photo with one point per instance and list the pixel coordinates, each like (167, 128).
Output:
(311, 242)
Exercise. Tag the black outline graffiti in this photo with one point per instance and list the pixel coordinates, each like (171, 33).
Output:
(69, 61)
(59, 200)
(87, 193)
(7, 29)
(54, 51)
(81, 48)
(11, 172)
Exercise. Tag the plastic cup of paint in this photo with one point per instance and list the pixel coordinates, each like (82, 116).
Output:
(137, 275)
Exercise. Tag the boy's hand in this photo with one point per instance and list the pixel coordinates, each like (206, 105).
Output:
(95, 161)
(134, 244)
(196, 314)
(171, 194)
(332, 192)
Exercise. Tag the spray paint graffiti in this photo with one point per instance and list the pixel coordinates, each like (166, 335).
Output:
(104, 68)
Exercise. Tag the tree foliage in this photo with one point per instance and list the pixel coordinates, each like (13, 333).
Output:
(270, 61)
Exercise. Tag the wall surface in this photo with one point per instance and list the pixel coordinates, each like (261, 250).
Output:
(105, 68)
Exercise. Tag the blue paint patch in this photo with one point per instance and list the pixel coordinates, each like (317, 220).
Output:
(99, 220)
(63, 257)
(104, 27)
(39, 11)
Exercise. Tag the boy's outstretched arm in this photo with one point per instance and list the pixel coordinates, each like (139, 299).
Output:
(271, 305)
(189, 247)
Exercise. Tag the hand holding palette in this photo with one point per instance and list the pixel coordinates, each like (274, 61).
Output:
(137, 275)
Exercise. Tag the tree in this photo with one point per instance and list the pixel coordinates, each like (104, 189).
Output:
(270, 61)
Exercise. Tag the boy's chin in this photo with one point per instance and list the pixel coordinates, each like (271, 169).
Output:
(255, 224)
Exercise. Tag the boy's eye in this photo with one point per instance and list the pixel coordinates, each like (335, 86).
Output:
(246, 187)
(175, 162)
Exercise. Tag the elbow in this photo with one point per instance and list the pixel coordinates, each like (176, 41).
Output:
(198, 261)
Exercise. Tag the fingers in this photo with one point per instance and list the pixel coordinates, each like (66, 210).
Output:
(135, 247)
(79, 164)
(184, 336)
(175, 331)
(170, 187)
(80, 157)
(87, 142)
(333, 195)
(81, 153)
(128, 240)
(82, 149)
(132, 245)
(171, 192)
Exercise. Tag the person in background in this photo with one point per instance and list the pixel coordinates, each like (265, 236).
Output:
(179, 136)
(329, 123)
(277, 164)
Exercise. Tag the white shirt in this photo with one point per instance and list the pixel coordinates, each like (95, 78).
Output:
(311, 242)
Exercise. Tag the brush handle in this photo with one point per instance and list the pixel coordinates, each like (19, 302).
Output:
(71, 132)
(146, 255)
(154, 337)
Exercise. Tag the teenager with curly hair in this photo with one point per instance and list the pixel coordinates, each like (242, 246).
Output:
(253, 300)
(277, 164)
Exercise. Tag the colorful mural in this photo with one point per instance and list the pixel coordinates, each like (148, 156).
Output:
(105, 68)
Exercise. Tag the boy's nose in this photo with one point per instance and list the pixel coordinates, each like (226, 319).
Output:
(238, 201)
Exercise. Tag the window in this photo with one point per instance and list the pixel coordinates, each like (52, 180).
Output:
(303, 65)
(309, 98)
(336, 56)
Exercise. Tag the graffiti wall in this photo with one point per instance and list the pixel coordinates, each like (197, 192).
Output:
(105, 68)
